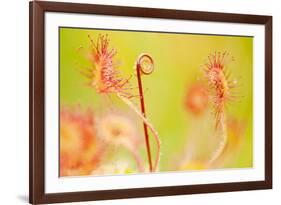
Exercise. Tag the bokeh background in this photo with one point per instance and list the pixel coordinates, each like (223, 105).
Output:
(177, 59)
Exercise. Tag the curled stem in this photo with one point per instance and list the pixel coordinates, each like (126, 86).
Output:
(148, 124)
(144, 66)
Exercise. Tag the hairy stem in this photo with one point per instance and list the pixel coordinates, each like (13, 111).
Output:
(148, 124)
(136, 157)
(220, 149)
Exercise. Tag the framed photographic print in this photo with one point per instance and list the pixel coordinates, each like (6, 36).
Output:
(139, 102)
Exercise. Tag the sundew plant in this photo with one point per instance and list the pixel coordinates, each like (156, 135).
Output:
(142, 102)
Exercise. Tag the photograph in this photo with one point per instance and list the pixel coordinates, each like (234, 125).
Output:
(129, 102)
(142, 102)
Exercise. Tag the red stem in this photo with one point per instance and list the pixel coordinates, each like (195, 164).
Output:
(143, 112)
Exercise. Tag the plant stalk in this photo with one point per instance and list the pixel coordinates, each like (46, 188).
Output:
(143, 113)
(148, 124)
(220, 149)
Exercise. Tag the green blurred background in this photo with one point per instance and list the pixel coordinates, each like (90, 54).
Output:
(177, 59)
